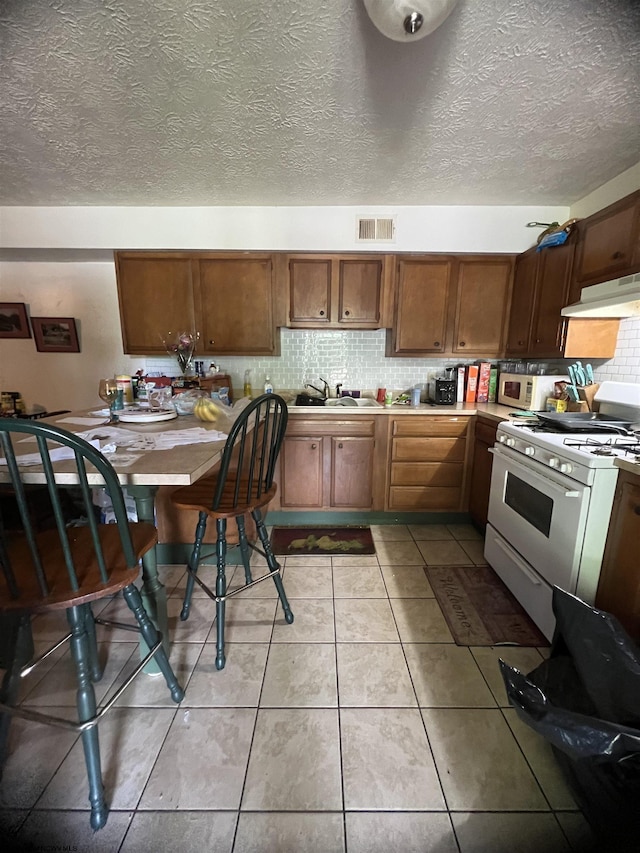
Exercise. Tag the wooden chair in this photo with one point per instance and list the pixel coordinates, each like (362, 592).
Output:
(66, 568)
(243, 484)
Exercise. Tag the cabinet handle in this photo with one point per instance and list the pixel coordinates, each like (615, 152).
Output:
(313, 446)
(211, 343)
(520, 343)
(346, 313)
(340, 445)
(436, 343)
(617, 255)
(322, 313)
(538, 340)
(461, 344)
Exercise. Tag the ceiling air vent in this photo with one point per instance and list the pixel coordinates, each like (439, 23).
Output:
(370, 229)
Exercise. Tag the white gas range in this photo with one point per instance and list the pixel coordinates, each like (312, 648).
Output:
(551, 499)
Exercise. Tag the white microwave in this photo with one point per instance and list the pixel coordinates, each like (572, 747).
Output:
(527, 392)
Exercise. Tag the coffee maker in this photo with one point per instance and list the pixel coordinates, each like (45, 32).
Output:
(442, 391)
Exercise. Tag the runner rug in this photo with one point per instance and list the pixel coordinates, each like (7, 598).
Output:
(322, 540)
(479, 609)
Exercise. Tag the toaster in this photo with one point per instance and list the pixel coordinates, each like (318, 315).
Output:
(442, 392)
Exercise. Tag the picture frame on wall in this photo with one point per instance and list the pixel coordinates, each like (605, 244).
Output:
(14, 322)
(55, 334)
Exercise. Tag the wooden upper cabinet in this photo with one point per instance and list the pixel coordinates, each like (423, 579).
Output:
(552, 294)
(155, 294)
(337, 291)
(522, 300)
(228, 297)
(482, 301)
(609, 242)
(423, 290)
(234, 297)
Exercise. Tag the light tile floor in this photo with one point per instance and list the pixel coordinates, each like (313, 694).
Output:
(360, 728)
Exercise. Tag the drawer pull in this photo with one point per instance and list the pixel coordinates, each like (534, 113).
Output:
(340, 445)
(436, 343)
(314, 446)
(462, 344)
(322, 313)
(346, 313)
(517, 561)
(617, 255)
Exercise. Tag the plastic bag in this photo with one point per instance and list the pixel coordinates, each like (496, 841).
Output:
(585, 700)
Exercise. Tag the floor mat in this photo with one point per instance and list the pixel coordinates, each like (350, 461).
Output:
(334, 541)
(479, 609)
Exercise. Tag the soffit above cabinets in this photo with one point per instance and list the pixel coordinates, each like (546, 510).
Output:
(191, 103)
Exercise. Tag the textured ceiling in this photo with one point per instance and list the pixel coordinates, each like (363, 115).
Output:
(302, 102)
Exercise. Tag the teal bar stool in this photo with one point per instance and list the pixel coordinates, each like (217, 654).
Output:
(67, 567)
(244, 484)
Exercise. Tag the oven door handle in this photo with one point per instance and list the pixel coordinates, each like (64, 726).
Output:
(518, 562)
(550, 484)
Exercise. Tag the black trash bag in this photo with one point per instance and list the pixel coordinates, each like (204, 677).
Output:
(585, 701)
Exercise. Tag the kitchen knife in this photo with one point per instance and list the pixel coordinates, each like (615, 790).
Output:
(589, 371)
(572, 374)
(581, 376)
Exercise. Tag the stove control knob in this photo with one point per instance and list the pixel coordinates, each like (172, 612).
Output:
(510, 442)
(554, 462)
(529, 451)
(502, 439)
(565, 468)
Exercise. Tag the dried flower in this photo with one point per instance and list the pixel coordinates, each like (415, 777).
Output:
(182, 345)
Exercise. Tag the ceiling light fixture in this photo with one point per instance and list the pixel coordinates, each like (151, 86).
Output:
(408, 20)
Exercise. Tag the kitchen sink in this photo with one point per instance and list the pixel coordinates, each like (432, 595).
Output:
(353, 402)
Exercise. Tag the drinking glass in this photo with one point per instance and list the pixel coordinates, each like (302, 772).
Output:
(108, 391)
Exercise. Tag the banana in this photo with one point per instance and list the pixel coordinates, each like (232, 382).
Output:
(206, 410)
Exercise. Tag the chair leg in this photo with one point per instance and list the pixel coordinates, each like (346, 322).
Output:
(150, 635)
(194, 561)
(94, 660)
(221, 589)
(244, 548)
(272, 564)
(17, 650)
(86, 701)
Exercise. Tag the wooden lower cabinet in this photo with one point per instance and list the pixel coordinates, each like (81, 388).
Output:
(619, 585)
(331, 464)
(428, 463)
(480, 477)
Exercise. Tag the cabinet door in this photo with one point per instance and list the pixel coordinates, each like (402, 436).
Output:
(484, 287)
(608, 242)
(155, 293)
(301, 460)
(360, 284)
(422, 305)
(310, 291)
(485, 437)
(554, 275)
(524, 284)
(619, 586)
(351, 472)
(235, 303)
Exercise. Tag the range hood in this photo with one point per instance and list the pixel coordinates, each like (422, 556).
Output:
(617, 298)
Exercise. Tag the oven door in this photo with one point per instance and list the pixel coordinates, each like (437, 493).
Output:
(541, 513)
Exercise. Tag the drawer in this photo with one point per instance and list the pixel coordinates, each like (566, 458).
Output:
(423, 498)
(324, 426)
(427, 473)
(430, 426)
(428, 449)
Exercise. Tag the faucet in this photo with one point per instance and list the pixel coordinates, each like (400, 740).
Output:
(338, 387)
(325, 392)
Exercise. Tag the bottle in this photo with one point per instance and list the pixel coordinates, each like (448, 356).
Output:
(268, 387)
(125, 384)
(247, 384)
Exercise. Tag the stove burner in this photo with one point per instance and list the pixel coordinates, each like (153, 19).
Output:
(603, 451)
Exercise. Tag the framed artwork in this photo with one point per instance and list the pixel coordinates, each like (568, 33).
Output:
(55, 334)
(13, 320)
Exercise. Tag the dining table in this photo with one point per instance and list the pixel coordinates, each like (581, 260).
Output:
(145, 454)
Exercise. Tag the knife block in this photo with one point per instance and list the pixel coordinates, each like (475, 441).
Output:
(586, 394)
(572, 406)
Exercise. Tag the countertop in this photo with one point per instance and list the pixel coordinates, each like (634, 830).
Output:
(490, 411)
(628, 465)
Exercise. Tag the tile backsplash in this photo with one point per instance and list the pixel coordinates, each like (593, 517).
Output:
(357, 360)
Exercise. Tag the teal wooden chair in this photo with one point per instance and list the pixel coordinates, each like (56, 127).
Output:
(244, 484)
(67, 567)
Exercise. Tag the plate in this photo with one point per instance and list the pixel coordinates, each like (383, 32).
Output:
(146, 416)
